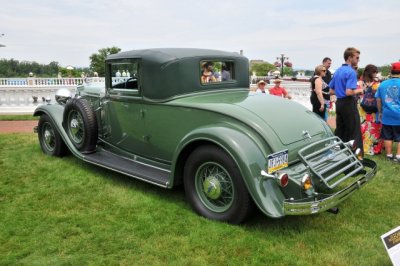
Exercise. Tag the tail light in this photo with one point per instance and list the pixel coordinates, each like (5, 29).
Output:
(282, 179)
(306, 182)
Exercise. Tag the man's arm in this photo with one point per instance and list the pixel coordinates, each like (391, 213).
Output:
(350, 92)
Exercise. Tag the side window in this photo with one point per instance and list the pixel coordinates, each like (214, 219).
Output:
(216, 71)
(124, 75)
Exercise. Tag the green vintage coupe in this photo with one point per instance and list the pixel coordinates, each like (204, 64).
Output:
(186, 116)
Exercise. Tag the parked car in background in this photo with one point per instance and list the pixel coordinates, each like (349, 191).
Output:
(167, 117)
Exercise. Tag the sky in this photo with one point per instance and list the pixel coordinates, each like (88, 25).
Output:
(68, 32)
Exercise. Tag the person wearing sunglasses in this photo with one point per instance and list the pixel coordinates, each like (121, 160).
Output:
(344, 86)
(317, 87)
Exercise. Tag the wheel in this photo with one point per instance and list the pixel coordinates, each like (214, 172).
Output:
(49, 138)
(80, 123)
(214, 186)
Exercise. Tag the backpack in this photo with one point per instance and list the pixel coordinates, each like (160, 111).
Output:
(368, 102)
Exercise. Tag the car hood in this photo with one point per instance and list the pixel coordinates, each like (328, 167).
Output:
(290, 121)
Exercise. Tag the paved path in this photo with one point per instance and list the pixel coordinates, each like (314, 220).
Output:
(27, 126)
(17, 126)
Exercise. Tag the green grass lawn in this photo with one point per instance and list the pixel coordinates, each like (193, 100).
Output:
(17, 117)
(64, 211)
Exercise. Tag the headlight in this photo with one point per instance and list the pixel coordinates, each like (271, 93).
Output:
(63, 95)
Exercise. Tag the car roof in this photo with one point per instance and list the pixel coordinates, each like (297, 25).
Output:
(162, 55)
(168, 72)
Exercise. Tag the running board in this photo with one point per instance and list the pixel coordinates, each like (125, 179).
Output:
(128, 167)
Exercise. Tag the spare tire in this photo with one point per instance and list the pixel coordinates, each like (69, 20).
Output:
(80, 123)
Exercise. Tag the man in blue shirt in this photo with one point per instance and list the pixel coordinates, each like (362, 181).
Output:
(344, 85)
(388, 101)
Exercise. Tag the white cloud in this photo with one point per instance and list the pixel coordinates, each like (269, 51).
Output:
(70, 31)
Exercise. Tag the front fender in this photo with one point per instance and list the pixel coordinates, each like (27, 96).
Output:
(55, 113)
(250, 152)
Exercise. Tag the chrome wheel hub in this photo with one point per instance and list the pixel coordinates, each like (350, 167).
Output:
(47, 136)
(212, 187)
(74, 125)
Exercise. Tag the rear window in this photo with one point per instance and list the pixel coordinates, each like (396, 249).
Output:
(216, 71)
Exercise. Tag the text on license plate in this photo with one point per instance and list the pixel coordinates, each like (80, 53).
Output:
(277, 161)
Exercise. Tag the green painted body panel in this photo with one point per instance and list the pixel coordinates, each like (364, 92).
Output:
(172, 113)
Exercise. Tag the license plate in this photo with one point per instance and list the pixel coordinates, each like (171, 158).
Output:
(277, 161)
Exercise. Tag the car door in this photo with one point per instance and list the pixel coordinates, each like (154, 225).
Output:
(123, 124)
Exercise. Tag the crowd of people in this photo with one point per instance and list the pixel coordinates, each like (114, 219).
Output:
(367, 111)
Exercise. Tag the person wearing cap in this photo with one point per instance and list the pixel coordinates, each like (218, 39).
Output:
(261, 87)
(344, 85)
(388, 102)
(278, 90)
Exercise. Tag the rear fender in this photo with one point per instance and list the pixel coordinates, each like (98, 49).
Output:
(249, 152)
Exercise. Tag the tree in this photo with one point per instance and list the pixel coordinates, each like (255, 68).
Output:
(287, 71)
(13, 68)
(308, 72)
(385, 70)
(97, 59)
(261, 69)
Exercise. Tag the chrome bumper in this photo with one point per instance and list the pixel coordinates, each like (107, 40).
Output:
(323, 202)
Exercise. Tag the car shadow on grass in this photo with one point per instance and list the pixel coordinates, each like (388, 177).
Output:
(176, 196)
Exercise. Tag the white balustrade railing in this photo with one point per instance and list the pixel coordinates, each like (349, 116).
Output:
(29, 82)
(27, 96)
(28, 93)
(299, 90)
